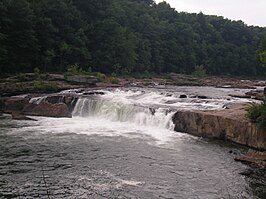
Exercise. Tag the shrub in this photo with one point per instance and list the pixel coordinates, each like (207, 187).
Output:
(114, 80)
(257, 114)
(76, 70)
(200, 71)
(44, 87)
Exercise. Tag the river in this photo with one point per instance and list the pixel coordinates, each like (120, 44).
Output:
(121, 144)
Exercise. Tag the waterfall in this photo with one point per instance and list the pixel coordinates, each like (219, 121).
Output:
(124, 112)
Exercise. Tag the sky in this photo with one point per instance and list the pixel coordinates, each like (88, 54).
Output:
(252, 12)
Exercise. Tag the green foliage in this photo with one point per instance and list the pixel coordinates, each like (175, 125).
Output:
(114, 80)
(262, 52)
(75, 70)
(199, 71)
(44, 87)
(124, 37)
(37, 73)
(257, 114)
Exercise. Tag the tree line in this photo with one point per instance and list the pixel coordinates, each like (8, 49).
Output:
(123, 37)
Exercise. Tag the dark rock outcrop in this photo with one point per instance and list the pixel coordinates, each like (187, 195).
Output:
(229, 124)
(69, 100)
(183, 96)
(255, 158)
(50, 106)
(47, 109)
(14, 104)
(2, 104)
(20, 116)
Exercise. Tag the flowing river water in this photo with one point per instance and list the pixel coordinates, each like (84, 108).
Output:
(121, 144)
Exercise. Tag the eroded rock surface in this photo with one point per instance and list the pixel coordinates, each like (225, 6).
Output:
(47, 109)
(229, 124)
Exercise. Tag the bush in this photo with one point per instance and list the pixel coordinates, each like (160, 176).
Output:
(200, 71)
(45, 87)
(76, 70)
(114, 80)
(257, 114)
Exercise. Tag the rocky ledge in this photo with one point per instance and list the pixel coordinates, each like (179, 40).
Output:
(48, 106)
(229, 124)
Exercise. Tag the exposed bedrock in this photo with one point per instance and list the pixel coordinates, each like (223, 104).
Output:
(229, 124)
(47, 109)
(49, 106)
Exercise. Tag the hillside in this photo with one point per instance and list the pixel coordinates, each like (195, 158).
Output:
(123, 37)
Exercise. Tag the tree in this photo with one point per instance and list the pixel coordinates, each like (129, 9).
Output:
(262, 51)
(3, 36)
(20, 36)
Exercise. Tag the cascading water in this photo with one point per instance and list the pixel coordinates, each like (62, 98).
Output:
(141, 107)
(117, 111)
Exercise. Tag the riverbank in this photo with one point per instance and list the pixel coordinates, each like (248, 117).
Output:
(50, 83)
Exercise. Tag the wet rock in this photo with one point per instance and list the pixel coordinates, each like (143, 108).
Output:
(15, 104)
(70, 101)
(54, 99)
(2, 104)
(94, 93)
(183, 96)
(255, 158)
(47, 109)
(240, 96)
(256, 94)
(202, 97)
(20, 116)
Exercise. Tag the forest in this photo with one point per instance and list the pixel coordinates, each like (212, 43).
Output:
(123, 37)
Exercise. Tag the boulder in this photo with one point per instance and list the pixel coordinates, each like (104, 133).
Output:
(47, 109)
(183, 96)
(14, 104)
(70, 101)
(202, 97)
(20, 116)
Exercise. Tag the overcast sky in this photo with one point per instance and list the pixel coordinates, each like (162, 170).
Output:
(252, 12)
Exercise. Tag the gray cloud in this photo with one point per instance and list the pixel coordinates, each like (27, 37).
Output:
(251, 12)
